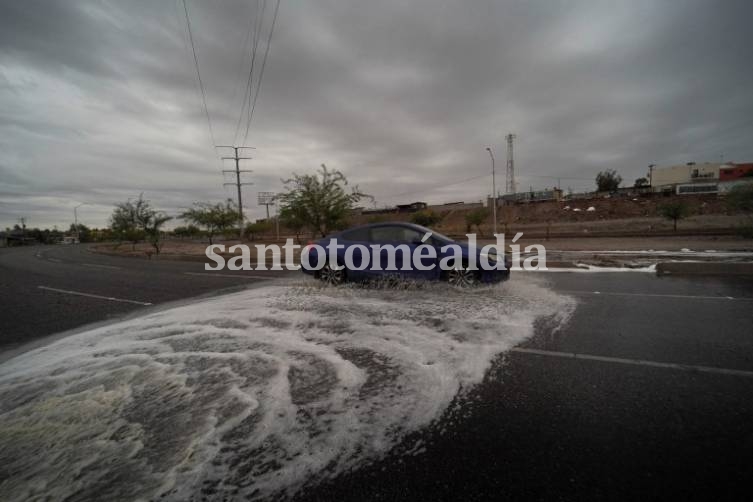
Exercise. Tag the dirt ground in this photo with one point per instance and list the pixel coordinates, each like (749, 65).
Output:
(598, 214)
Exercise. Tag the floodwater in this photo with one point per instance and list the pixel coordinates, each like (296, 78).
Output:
(252, 394)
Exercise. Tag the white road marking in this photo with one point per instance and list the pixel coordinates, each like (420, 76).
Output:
(241, 276)
(90, 295)
(653, 295)
(54, 260)
(635, 362)
(100, 266)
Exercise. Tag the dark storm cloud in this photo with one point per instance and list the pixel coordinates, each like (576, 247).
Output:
(99, 101)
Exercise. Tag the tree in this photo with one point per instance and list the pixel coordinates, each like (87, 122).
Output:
(641, 182)
(83, 232)
(293, 219)
(186, 231)
(213, 218)
(740, 198)
(426, 218)
(476, 218)
(153, 229)
(319, 201)
(137, 220)
(674, 211)
(608, 181)
(253, 230)
(129, 218)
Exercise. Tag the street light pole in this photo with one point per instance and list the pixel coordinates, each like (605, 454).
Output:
(75, 222)
(277, 221)
(494, 190)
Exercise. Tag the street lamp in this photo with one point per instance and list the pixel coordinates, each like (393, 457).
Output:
(75, 221)
(494, 190)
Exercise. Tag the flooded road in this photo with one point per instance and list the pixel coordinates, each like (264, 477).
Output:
(251, 394)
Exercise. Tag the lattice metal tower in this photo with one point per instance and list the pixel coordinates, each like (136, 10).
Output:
(510, 188)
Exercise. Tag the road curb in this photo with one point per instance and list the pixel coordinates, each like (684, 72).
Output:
(743, 269)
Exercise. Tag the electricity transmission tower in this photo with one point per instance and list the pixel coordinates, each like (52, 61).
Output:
(237, 182)
(510, 188)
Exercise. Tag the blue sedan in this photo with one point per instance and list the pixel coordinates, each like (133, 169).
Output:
(349, 263)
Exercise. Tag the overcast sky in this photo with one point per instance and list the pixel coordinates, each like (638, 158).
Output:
(99, 101)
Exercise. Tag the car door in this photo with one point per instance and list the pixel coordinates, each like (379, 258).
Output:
(349, 239)
(412, 238)
(384, 235)
(398, 235)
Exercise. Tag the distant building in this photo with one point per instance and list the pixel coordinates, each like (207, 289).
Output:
(694, 188)
(456, 206)
(734, 175)
(412, 207)
(530, 196)
(706, 178)
(686, 178)
(730, 172)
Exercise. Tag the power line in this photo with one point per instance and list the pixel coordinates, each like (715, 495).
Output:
(443, 185)
(244, 47)
(261, 72)
(258, 21)
(198, 74)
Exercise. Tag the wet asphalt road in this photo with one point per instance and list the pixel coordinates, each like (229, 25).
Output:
(549, 427)
(641, 416)
(29, 311)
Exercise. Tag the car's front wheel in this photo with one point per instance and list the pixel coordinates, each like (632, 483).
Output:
(332, 275)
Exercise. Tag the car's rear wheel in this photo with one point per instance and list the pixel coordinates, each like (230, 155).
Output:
(332, 275)
(462, 277)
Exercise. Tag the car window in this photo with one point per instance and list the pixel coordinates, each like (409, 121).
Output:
(358, 234)
(394, 234)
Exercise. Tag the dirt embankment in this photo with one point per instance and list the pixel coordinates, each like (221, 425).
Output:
(707, 214)
(613, 224)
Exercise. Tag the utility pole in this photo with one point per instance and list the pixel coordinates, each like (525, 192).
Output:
(494, 190)
(75, 222)
(238, 183)
(277, 221)
(651, 174)
(22, 221)
(510, 188)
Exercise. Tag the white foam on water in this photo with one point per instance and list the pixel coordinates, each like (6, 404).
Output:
(683, 252)
(584, 268)
(250, 394)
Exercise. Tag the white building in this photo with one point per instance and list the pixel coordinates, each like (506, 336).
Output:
(686, 178)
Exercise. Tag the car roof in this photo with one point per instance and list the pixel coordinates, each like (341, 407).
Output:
(387, 224)
(413, 226)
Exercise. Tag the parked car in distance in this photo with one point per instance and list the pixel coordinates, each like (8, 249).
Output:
(400, 233)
